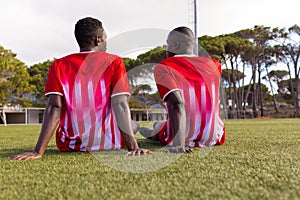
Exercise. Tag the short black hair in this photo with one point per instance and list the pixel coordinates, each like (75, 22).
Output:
(184, 30)
(86, 30)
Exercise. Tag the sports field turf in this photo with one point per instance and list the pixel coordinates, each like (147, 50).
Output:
(260, 160)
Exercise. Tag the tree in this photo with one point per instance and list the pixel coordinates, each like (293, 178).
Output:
(227, 76)
(277, 76)
(14, 80)
(142, 67)
(154, 56)
(258, 56)
(286, 88)
(265, 93)
(39, 74)
(234, 47)
(289, 48)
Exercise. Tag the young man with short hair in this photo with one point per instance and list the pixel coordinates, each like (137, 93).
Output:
(189, 85)
(87, 99)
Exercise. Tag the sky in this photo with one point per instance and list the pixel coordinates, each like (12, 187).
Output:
(37, 30)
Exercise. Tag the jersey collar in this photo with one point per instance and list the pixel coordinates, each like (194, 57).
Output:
(185, 55)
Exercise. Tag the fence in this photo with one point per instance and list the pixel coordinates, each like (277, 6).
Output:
(13, 115)
(31, 116)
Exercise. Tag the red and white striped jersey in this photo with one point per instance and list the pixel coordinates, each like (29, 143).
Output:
(198, 79)
(87, 81)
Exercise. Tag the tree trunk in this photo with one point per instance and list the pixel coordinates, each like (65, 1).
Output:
(238, 95)
(242, 91)
(291, 85)
(254, 94)
(229, 82)
(272, 91)
(235, 99)
(247, 93)
(260, 92)
(297, 89)
(3, 117)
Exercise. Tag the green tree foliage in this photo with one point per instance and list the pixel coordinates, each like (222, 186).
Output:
(211, 47)
(277, 75)
(228, 73)
(265, 92)
(153, 56)
(286, 88)
(15, 81)
(288, 51)
(135, 103)
(259, 57)
(142, 67)
(39, 73)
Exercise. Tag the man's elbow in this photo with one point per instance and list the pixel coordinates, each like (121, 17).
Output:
(120, 103)
(53, 110)
(120, 106)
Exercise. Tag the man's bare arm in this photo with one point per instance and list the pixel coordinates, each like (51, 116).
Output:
(177, 118)
(122, 114)
(50, 123)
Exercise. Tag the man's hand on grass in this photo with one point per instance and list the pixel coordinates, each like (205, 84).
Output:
(179, 149)
(26, 156)
(138, 152)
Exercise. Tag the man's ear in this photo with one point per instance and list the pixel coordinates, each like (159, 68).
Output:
(176, 45)
(98, 40)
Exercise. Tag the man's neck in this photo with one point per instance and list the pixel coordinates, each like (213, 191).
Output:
(85, 50)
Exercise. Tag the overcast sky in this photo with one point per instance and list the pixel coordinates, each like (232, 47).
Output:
(38, 30)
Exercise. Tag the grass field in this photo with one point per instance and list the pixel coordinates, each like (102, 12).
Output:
(260, 160)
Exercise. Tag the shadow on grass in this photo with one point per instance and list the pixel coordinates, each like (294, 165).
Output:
(52, 150)
(7, 153)
(146, 143)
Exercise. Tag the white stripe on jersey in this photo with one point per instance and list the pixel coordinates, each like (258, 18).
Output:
(176, 89)
(77, 94)
(103, 91)
(213, 92)
(91, 95)
(63, 138)
(67, 99)
(194, 105)
(57, 93)
(72, 143)
(98, 129)
(84, 140)
(77, 105)
(206, 130)
(82, 147)
(98, 132)
(108, 137)
(121, 93)
(87, 112)
(218, 125)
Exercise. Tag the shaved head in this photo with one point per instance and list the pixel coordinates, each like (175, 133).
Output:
(180, 41)
(183, 30)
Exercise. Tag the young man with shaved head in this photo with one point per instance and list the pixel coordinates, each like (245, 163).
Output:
(189, 85)
(87, 99)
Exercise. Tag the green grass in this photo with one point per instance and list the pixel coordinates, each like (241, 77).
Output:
(260, 160)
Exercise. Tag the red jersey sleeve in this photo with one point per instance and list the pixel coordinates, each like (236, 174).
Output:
(53, 85)
(120, 83)
(165, 79)
(217, 63)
